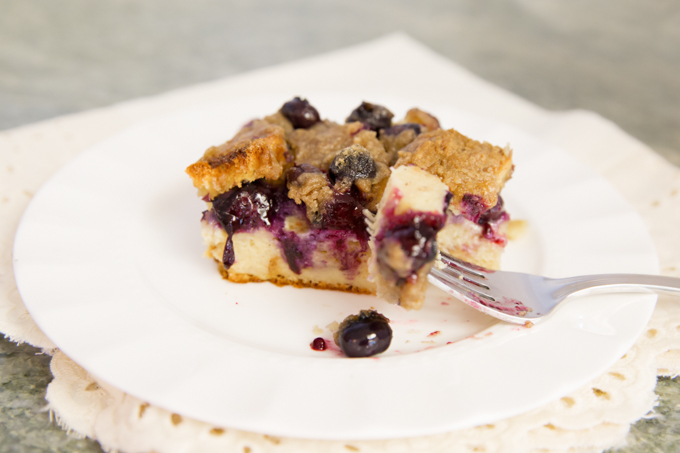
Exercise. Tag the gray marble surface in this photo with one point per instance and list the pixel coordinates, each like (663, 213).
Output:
(620, 58)
(617, 57)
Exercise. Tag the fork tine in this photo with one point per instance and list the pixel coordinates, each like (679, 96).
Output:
(462, 266)
(461, 284)
(459, 275)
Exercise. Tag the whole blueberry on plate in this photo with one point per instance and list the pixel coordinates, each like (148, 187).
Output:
(364, 335)
(300, 113)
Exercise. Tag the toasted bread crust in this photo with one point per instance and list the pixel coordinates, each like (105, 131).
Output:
(259, 150)
(280, 280)
(465, 165)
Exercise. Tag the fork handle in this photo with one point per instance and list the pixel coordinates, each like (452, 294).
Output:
(571, 285)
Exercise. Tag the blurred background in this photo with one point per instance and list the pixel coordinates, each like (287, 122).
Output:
(620, 58)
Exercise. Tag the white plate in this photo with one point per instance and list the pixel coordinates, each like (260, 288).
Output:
(108, 261)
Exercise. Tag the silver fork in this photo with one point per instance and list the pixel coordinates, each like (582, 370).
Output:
(524, 298)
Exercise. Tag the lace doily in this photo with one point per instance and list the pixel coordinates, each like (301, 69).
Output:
(594, 418)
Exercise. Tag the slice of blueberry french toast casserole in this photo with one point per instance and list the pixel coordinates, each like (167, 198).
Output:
(362, 206)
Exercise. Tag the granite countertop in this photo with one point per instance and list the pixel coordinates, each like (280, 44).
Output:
(619, 58)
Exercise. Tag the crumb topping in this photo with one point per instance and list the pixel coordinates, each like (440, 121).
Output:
(394, 143)
(278, 119)
(313, 189)
(369, 140)
(319, 144)
(467, 166)
(372, 189)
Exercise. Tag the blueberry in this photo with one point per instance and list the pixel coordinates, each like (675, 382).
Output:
(344, 212)
(248, 207)
(399, 128)
(374, 116)
(365, 334)
(352, 163)
(472, 207)
(492, 214)
(416, 238)
(300, 113)
(418, 241)
(416, 235)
